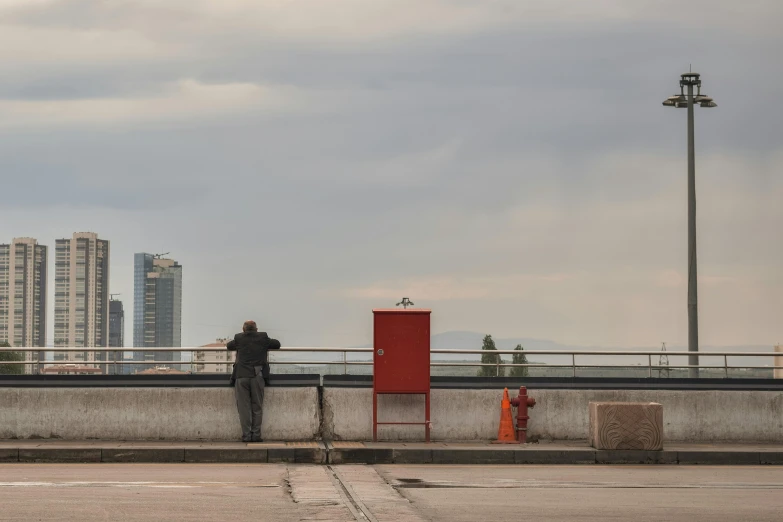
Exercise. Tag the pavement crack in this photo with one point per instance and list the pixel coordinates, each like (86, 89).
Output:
(287, 489)
(373, 496)
(354, 504)
(311, 485)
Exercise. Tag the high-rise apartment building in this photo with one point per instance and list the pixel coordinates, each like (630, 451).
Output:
(157, 306)
(116, 324)
(81, 296)
(23, 296)
(116, 335)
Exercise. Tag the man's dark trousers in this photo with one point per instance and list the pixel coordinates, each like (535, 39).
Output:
(249, 393)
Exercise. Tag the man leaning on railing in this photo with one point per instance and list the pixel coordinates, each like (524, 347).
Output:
(250, 376)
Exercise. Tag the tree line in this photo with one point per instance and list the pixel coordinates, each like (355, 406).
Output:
(10, 369)
(488, 357)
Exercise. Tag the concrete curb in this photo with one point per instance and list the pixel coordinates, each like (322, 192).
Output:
(719, 457)
(142, 454)
(9, 454)
(76, 454)
(329, 454)
(636, 457)
(552, 456)
(71, 454)
(547, 456)
(205, 455)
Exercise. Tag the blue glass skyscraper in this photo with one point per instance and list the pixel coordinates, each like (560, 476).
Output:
(157, 307)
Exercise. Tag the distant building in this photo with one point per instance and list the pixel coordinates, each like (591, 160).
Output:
(23, 296)
(81, 290)
(116, 324)
(157, 307)
(219, 361)
(117, 335)
(81, 297)
(71, 369)
(161, 370)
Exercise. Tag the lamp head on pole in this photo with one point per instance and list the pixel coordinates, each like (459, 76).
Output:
(680, 101)
(690, 78)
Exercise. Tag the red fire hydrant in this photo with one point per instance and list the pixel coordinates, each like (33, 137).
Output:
(522, 403)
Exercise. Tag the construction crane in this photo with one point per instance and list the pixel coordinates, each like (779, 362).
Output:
(663, 363)
(158, 256)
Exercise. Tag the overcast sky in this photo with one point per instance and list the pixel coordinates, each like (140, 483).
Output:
(506, 163)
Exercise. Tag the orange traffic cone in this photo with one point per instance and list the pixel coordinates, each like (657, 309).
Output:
(506, 432)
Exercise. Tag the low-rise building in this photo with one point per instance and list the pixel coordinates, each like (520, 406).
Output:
(161, 370)
(71, 369)
(220, 361)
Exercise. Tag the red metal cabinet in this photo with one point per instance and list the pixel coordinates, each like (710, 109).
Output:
(401, 359)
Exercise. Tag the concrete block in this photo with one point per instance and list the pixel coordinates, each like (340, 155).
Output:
(130, 454)
(626, 425)
(225, 455)
(173, 414)
(635, 457)
(169, 414)
(412, 456)
(473, 415)
(545, 456)
(472, 456)
(59, 454)
(719, 457)
(9, 454)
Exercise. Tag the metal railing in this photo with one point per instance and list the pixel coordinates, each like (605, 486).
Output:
(114, 358)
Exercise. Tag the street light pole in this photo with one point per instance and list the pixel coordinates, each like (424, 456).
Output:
(683, 100)
(693, 294)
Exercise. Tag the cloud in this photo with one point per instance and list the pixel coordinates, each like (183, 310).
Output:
(183, 100)
(355, 20)
(507, 162)
(59, 48)
(456, 288)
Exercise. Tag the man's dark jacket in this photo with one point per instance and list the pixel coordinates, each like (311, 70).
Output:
(252, 349)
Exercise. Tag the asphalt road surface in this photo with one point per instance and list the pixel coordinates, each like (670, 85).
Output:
(399, 493)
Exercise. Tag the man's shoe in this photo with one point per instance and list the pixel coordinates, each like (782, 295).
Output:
(256, 439)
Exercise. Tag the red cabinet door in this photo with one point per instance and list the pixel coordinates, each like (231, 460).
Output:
(401, 355)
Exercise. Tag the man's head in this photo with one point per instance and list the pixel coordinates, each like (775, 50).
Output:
(249, 326)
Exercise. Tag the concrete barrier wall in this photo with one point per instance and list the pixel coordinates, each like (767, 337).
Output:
(346, 414)
(695, 416)
(152, 413)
